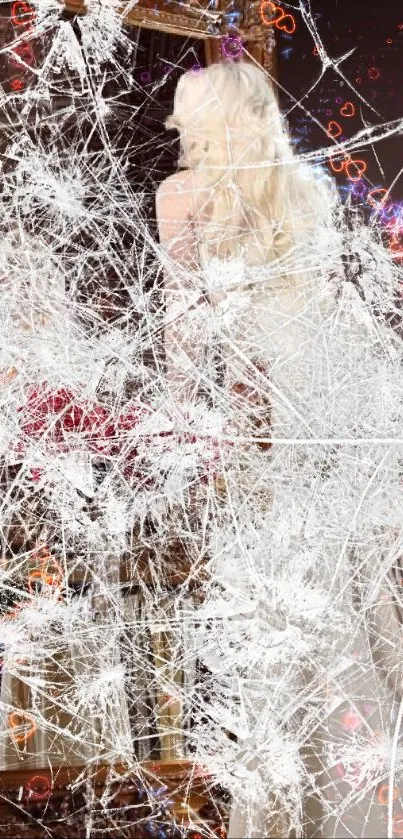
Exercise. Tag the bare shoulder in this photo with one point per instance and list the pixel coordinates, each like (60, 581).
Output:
(173, 197)
(186, 185)
(179, 182)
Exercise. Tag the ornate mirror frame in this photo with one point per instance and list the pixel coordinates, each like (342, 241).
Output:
(209, 20)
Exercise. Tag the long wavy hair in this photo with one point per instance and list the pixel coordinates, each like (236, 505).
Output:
(233, 133)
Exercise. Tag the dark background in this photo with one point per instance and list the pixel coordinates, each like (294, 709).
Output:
(139, 87)
(373, 71)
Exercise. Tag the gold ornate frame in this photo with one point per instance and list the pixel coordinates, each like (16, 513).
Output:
(199, 19)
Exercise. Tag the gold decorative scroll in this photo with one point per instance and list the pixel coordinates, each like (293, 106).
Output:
(193, 18)
(200, 19)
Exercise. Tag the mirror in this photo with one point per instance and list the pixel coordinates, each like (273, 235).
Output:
(239, 23)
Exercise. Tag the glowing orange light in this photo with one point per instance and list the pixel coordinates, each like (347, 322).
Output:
(17, 720)
(44, 558)
(22, 13)
(42, 553)
(396, 248)
(333, 129)
(351, 720)
(376, 197)
(17, 84)
(286, 24)
(12, 613)
(383, 794)
(336, 163)
(49, 572)
(398, 824)
(267, 5)
(46, 579)
(355, 169)
(348, 109)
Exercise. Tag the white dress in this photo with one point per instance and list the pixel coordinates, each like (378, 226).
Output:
(305, 600)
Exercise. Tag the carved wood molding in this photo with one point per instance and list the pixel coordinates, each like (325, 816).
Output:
(172, 772)
(155, 15)
(54, 802)
(202, 22)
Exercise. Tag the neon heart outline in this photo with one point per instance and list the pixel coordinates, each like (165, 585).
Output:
(360, 165)
(21, 7)
(330, 132)
(280, 23)
(13, 723)
(374, 203)
(273, 8)
(342, 164)
(39, 795)
(347, 110)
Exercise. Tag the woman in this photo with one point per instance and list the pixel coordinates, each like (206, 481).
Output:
(306, 652)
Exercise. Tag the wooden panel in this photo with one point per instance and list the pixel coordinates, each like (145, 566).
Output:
(57, 802)
(200, 21)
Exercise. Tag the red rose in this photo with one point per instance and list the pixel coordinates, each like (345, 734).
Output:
(129, 420)
(34, 429)
(72, 418)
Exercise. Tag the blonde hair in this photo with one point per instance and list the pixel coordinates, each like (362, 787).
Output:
(232, 131)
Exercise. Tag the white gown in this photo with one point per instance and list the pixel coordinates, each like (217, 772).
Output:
(305, 600)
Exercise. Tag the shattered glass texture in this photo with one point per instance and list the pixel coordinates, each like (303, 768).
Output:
(217, 581)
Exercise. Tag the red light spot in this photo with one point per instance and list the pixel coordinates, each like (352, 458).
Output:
(25, 52)
(351, 720)
(38, 787)
(383, 794)
(22, 13)
(373, 73)
(17, 84)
